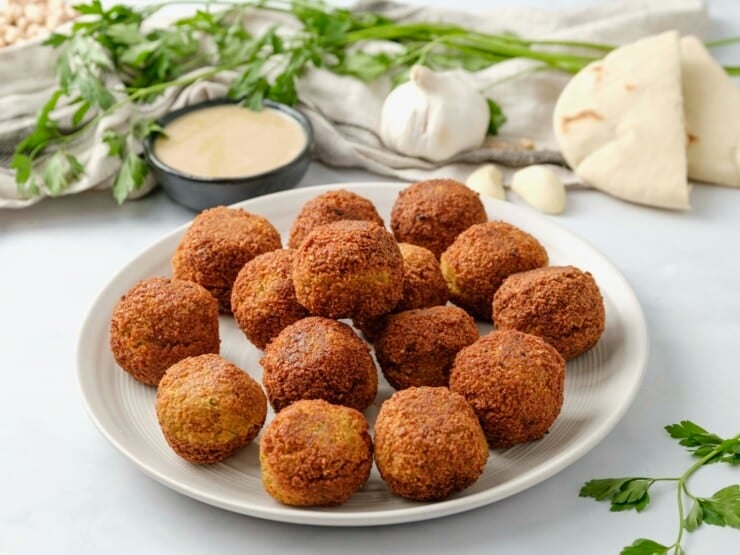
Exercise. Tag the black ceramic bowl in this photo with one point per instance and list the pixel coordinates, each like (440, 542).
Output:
(199, 193)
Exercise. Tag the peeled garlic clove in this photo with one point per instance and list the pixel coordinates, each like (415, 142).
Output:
(541, 188)
(487, 180)
(434, 116)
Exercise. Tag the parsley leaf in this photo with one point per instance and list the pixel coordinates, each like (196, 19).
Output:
(624, 493)
(723, 508)
(694, 518)
(644, 546)
(496, 117)
(60, 171)
(130, 178)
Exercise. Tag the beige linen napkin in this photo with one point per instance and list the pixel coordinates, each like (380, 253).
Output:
(345, 112)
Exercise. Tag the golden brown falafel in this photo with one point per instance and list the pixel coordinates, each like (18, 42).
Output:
(208, 408)
(481, 257)
(319, 358)
(348, 269)
(514, 381)
(561, 304)
(263, 299)
(160, 321)
(423, 286)
(417, 347)
(216, 246)
(329, 207)
(428, 443)
(432, 213)
(315, 453)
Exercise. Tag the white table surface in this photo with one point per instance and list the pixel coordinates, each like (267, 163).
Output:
(64, 489)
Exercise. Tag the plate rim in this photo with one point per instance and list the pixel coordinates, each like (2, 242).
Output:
(415, 512)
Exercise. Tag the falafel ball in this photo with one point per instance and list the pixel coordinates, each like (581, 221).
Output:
(348, 269)
(216, 246)
(423, 286)
(160, 321)
(319, 358)
(428, 443)
(263, 299)
(514, 381)
(560, 304)
(209, 408)
(315, 453)
(432, 213)
(417, 347)
(329, 207)
(482, 257)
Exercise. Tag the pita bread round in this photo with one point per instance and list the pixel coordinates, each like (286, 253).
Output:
(620, 123)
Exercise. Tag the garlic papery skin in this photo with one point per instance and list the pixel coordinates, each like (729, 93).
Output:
(487, 180)
(541, 188)
(433, 116)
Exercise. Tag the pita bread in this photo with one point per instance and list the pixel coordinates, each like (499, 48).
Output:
(712, 107)
(620, 123)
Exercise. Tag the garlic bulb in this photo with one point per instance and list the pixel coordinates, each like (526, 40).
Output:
(433, 116)
(487, 180)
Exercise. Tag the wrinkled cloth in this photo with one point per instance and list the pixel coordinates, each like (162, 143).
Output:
(345, 112)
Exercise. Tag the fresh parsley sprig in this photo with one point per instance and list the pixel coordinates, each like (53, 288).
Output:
(721, 509)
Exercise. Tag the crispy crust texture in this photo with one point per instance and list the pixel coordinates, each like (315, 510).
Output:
(432, 213)
(263, 299)
(160, 321)
(423, 287)
(514, 382)
(315, 453)
(329, 207)
(561, 304)
(428, 443)
(482, 257)
(208, 408)
(319, 358)
(348, 269)
(417, 347)
(216, 246)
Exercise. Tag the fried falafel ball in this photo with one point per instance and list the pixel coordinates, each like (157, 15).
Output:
(208, 408)
(160, 321)
(514, 382)
(560, 304)
(482, 257)
(216, 246)
(329, 207)
(315, 453)
(428, 443)
(348, 269)
(423, 286)
(417, 347)
(263, 299)
(432, 213)
(319, 358)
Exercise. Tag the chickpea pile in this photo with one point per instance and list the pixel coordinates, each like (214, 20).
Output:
(26, 19)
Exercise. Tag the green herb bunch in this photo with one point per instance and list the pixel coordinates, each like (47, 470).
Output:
(721, 509)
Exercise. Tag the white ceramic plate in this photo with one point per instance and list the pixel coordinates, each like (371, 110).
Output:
(599, 386)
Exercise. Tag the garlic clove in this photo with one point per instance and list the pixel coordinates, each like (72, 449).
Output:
(487, 180)
(540, 187)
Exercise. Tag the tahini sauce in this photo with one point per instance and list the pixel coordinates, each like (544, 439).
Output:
(230, 141)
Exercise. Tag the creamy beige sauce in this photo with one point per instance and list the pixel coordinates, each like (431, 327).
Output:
(230, 141)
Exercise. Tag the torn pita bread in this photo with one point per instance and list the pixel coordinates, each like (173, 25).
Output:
(712, 107)
(620, 123)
